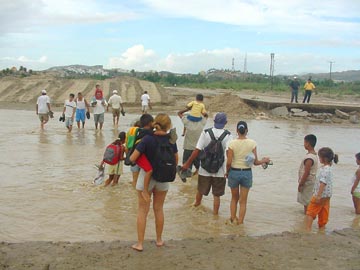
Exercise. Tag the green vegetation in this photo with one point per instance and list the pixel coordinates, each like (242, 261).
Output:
(256, 82)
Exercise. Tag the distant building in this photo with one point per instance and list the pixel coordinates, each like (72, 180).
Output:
(13, 69)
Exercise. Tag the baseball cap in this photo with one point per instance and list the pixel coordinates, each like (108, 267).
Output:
(220, 120)
(115, 91)
(43, 91)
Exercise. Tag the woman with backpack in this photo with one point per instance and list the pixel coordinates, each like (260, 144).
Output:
(241, 155)
(162, 153)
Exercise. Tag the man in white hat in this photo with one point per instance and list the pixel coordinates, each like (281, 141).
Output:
(43, 108)
(115, 102)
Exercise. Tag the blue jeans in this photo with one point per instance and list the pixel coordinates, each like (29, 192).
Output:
(240, 178)
(307, 96)
(294, 95)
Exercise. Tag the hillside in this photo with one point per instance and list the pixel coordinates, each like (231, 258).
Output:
(27, 89)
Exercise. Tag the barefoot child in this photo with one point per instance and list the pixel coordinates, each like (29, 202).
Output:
(116, 170)
(320, 202)
(307, 172)
(197, 110)
(355, 189)
(69, 112)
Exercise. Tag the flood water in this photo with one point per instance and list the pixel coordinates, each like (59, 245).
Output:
(46, 191)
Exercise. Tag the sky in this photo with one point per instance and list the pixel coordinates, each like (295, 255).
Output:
(186, 36)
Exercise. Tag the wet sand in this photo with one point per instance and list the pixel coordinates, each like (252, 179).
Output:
(338, 250)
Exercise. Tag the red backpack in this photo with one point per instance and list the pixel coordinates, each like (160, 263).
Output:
(113, 154)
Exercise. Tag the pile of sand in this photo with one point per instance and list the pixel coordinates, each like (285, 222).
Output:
(230, 104)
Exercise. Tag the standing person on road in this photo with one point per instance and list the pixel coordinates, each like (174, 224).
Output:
(115, 102)
(309, 87)
(69, 111)
(81, 106)
(43, 108)
(294, 85)
(145, 102)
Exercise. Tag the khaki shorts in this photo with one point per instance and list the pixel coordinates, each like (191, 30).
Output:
(217, 184)
(99, 118)
(116, 169)
(43, 117)
(116, 112)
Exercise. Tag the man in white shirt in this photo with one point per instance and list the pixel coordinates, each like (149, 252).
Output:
(69, 111)
(43, 108)
(145, 102)
(214, 181)
(99, 111)
(115, 102)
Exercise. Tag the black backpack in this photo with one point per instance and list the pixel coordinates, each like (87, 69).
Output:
(164, 167)
(212, 157)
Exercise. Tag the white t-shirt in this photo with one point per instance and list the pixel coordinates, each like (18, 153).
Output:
(145, 98)
(69, 108)
(42, 102)
(99, 107)
(115, 101)
(204, 141)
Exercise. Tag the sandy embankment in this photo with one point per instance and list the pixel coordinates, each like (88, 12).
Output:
(339, 250)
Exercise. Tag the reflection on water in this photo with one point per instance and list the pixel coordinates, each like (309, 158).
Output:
(46, 191)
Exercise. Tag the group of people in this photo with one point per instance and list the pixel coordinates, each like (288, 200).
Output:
(78, 108)
(309, 87)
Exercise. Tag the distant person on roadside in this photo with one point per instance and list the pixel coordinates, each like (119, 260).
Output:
(82, 109)
(99, 95)
(43, 108)
(307, 172)
(145, 102)
(69, 111)
(99, 106)
(355, 189)
(309, 87)
(115, 102)
(241, 156)
(294, 86)
(319, 205)
(197, 111)
(211, 177)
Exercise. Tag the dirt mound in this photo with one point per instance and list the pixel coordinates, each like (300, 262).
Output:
(230, 104)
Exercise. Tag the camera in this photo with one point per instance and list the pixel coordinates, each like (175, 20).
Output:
(62, 118)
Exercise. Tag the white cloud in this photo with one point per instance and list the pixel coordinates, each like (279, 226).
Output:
(22, 15)
(136, 57)
(22, 60)
(295, 16)
(139, 58)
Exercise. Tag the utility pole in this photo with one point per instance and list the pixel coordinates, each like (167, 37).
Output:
(331, 63)
(245, 64)
(272, 68)
(233, 65)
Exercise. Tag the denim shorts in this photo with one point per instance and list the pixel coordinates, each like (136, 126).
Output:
(80, 115)
(238, 178)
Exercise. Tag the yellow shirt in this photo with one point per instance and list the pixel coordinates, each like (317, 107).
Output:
(309, 86)
(197, 108)
(241, 148)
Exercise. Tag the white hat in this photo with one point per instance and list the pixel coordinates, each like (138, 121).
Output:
(115, 92)
(43, 91)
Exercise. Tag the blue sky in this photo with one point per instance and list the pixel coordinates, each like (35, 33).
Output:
(182, 36)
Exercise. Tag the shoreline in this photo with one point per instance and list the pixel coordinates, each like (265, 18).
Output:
(336, 250)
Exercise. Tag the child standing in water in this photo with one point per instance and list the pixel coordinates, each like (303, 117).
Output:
(320, 202)
(197, 110)
(355, 189)
(307, 172)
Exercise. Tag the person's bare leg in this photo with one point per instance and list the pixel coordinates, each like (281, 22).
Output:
(143, 210)
(145, 192)
(116, 180)
(78, 124)
(135, 176)
(233, 204)
(42, 125)
(96, 125)
(101, 126)
(108, 181)
(244, 192)
(216, 205)
(83, 124)
(70, 128)
(198, 199)
(305, 209)
(308, 223)
(158, 205)
(356, 202)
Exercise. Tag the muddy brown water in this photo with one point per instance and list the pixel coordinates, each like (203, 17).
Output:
(46, 191)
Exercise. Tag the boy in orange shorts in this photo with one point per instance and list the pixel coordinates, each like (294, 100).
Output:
(320, 202)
